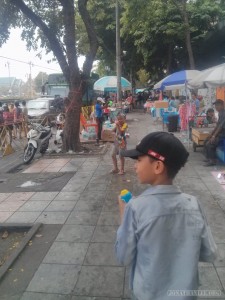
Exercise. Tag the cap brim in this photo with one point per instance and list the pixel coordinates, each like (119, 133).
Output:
(218, 102)
(133, 153)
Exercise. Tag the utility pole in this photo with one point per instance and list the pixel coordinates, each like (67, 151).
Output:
(30, 77)
(10, 91)
(118, 52)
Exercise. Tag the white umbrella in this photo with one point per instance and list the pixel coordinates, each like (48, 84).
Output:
(109, 84)
(212, 77)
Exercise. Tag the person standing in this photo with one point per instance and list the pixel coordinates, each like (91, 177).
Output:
(17, 112)
(163, 232)
(130, 102)
(24, 111)
(196, 101)
(25, 117)
(120, 144)
(99, 116)
(8, 121)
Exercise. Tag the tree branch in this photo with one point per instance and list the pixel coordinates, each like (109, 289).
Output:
(92, 37)
(54, 43)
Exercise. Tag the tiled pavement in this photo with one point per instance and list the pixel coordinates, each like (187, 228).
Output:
(80, 264)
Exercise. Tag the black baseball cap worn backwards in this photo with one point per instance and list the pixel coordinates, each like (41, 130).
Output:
(161, 146)
(218, 101)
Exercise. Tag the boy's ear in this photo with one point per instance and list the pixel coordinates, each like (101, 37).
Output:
(159, 167)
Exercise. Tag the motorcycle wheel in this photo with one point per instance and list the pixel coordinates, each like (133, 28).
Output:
(29, 153)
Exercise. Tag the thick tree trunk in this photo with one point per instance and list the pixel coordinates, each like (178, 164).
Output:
(71, 132)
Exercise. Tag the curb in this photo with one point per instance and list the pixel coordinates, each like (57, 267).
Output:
(33, 229)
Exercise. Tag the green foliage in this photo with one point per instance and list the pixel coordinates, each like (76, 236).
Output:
(8, 19)
(143, 77)
(158, 31)
(152, 31)
(103, 14)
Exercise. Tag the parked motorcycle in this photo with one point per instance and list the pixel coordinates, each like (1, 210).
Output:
(38, 140)
(60, 121)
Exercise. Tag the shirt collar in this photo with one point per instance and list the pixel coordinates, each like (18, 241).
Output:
(162, 189)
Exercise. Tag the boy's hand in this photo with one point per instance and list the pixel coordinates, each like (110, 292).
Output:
(122, 206)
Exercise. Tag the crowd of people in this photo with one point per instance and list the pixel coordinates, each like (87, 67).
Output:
(12, 116)
(191, 111)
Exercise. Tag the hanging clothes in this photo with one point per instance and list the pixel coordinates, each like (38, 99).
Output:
(187, 111)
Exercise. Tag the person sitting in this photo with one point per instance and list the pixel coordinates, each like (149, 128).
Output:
(210, 116)
(217, 134)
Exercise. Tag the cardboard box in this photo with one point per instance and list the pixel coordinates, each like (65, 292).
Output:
(108, 135)
(161, 104)
(201, 133)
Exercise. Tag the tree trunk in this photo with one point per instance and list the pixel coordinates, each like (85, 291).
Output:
(188, 42)
(183, 11)
(169, 61)
(71, 132)
(188, 37)
(67, 59)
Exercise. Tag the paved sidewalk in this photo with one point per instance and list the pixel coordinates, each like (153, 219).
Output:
(80, 217)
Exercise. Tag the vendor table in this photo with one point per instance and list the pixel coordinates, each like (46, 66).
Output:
(199, 135)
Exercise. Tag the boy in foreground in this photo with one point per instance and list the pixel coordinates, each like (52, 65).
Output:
(163, 233)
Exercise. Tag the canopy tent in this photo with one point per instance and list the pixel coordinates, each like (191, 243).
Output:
(139, 91)
(176, 80)
(109, 84)
(212, 77)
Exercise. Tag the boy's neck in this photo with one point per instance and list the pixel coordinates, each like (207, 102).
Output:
(162, 181)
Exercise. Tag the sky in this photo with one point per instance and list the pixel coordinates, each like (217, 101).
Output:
(15, 49)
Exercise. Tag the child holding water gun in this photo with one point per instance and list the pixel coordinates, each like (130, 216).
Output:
(120, 144)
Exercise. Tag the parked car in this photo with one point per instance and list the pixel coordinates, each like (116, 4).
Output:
(42, 107)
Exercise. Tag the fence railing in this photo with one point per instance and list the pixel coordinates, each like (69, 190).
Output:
(12, 136)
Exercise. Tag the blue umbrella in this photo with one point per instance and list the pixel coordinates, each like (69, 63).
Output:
(178, 79)
(109, 84)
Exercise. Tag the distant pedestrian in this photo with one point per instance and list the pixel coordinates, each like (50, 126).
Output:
(8, 121)
(196, 101)
(24, 117)
(18, 117)
(99, 116)
(120, 145)
(1, 114)
(164, 233)
(24, 111)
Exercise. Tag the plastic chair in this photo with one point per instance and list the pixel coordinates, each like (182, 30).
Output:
(84, 123)
(165, 116)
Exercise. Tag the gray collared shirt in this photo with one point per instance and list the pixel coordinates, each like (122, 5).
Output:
(163, 236)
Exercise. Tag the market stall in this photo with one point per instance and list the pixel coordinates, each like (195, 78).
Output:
(199, 135)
